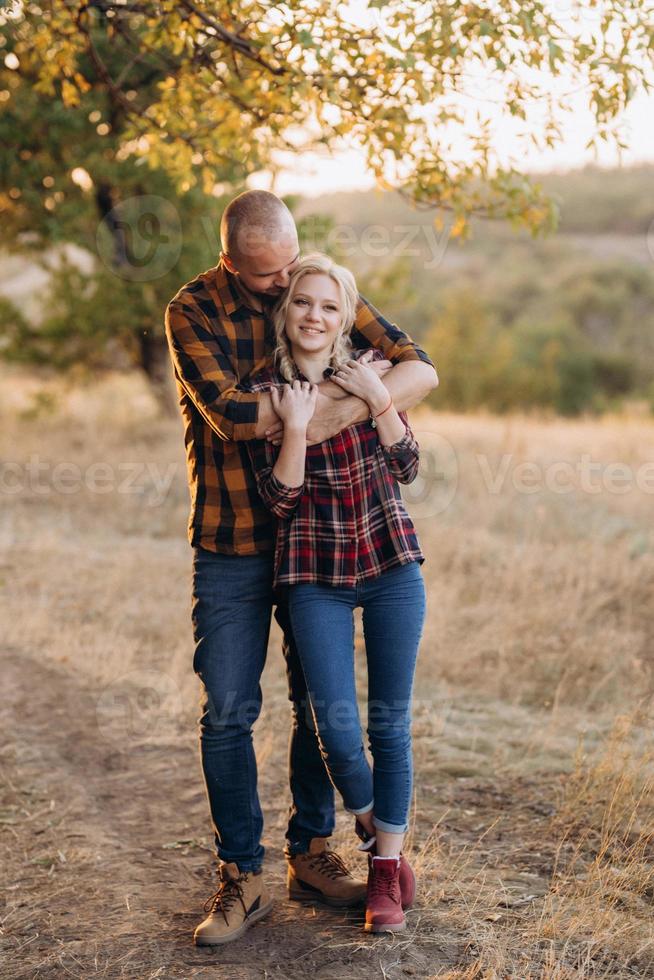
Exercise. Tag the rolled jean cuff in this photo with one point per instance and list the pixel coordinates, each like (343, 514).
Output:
(364, 809)
(390, 828)
(248, 866)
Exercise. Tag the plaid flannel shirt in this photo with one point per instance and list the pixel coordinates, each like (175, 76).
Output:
(218, 340)
(347, 522)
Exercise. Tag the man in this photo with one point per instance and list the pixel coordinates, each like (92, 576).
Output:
(219, 333)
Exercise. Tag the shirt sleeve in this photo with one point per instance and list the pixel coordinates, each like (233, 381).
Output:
(203, 366)
(371, 329)
(403, 457)
(276, 496)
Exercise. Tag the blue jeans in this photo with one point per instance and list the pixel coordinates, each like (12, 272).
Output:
(323, 625)
(232, 606)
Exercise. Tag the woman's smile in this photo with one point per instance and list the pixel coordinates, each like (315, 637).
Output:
(313, 318)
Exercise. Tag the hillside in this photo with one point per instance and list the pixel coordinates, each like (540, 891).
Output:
(564, 322)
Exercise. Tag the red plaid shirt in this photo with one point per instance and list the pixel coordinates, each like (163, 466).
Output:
(348, 521)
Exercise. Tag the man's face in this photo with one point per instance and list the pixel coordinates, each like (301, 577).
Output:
(264, 267)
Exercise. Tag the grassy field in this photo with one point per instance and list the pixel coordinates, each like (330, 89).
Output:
(534, 803)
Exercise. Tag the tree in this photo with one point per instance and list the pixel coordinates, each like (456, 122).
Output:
(473, 355)
(110, 100)
(71, 179)
(208, 91)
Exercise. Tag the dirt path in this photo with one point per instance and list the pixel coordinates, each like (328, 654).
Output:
(535, 858)
(106, 876)
(100, 883)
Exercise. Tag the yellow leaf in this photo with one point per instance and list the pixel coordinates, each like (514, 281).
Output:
(69, 94)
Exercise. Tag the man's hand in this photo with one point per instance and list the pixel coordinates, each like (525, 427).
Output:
(358, 378)
(275, 433)
(379, 367)
(329, 390)
(331, 417)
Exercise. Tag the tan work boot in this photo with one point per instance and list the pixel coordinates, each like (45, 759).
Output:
(321, 876)
(240, 901)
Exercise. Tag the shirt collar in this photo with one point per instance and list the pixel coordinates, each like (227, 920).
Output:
(327, 373)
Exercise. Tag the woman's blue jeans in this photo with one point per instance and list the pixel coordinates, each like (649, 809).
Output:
(322, 618)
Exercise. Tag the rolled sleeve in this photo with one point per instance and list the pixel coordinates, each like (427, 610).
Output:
(371, 329)
(204, 370)
(403, 456)
(279, 498)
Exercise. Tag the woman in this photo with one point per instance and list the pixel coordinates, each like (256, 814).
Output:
(344, 539)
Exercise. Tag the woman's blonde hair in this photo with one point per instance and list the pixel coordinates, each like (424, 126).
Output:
(316, 264)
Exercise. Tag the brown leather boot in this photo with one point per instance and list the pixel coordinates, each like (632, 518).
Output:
(321, 876)
(241, 900)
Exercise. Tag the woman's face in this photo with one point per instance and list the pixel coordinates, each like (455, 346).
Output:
(313, 317)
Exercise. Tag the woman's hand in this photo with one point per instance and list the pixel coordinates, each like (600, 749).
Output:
(295, 404)
(361, 379)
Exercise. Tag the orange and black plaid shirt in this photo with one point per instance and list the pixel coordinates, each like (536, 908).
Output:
(218, 340)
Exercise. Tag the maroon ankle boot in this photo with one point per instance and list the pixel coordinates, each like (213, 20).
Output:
(407, 877)
(383, 897)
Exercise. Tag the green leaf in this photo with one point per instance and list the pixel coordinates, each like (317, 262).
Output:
(306, 39)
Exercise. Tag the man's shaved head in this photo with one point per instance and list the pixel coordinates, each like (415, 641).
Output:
(253, 221)
(259, 241)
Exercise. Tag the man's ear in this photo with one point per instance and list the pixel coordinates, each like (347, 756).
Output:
(227, 262)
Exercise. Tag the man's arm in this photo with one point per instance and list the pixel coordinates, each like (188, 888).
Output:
(407, 384)
(204, 368)
(409, 381)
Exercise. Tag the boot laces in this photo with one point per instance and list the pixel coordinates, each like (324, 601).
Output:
(330, 864)
(225, 898)
(384, 885)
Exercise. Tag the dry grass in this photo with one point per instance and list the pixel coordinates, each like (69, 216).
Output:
(534, 797)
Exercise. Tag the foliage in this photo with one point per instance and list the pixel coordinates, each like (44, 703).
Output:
(206, 93)
(73, 178)
(485, 364)
(107, 104)
(594, 200)
(113, 317)
(505, 348)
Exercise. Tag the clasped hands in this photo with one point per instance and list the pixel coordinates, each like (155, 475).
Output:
(295, 404)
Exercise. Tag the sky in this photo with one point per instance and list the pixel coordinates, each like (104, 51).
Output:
(311, 175)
